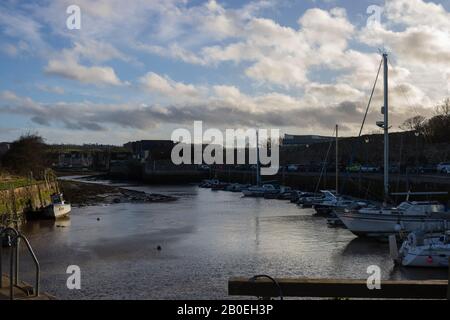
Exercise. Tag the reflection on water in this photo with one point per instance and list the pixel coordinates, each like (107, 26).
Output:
(206, 237)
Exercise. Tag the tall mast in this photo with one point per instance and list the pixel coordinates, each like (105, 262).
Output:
(386, 129)
(258, 173)
(337, 161)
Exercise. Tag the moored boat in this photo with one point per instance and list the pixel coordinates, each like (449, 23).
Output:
(407, 217)
(422, 250)
(58, 208)
(259, 191)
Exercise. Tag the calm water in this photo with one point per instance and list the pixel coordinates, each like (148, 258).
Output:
(206, 237)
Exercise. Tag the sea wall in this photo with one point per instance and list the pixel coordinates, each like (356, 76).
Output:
(28, 199)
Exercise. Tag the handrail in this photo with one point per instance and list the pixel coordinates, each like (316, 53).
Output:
(35, 260)
(14, 267)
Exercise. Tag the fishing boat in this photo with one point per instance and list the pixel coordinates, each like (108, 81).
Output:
(422, 250)
(58, 208)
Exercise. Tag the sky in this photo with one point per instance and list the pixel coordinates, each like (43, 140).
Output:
(140, 69)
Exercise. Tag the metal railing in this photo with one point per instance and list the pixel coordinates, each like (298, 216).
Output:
(13, 238)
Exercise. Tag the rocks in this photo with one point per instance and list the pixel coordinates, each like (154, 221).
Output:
(87, 194)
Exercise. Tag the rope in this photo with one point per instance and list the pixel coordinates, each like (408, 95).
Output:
(352, 152)
(370, 99)
(325, 162)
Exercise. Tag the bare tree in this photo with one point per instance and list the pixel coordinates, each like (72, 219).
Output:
(415, 123)
(444, 108)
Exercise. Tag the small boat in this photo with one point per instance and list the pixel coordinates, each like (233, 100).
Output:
(296, 195)
(58, 209)
(422, 250)
(286, 194)
(208, 183)
(407, 217)
(236, 187)
(277, 193)
(219, 186)
(330, 200)
(309, 200)
(259, 191)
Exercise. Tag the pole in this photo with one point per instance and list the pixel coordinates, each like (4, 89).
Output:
(258, 173)
(337, 160)
(386, 129)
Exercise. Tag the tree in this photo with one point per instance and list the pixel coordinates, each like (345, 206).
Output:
(25, 155)
(444, 108)
(438, 127)
(415, 123)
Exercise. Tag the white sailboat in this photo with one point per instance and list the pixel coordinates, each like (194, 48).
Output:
(422, 250)
(408, 216)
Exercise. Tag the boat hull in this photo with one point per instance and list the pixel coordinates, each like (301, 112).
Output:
(424, 258)
(56, 211)
(376, 225)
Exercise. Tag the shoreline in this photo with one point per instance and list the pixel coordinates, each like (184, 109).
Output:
(81, 194)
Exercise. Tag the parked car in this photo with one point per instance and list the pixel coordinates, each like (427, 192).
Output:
(371, 169)
(353, 168)
(292, 168)
(443, 167)
(421, 169)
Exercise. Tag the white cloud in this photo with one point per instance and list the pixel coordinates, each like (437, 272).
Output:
(322, 74)
(70, 68)
(168, 88)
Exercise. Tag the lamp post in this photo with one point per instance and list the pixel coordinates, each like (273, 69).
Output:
(366, 140)
(416, 134)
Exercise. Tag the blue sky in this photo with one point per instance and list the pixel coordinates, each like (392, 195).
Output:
(140, 69)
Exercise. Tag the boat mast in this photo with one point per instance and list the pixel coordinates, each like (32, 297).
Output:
(258, 173)
(337, 161)
(386, 129)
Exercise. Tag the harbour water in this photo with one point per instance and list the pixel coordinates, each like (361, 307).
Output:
(205, 237)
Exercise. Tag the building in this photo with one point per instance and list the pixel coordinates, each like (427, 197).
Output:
(303, 140)
(150, 149)
(4, 147)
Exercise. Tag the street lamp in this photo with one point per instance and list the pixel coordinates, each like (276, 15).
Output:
(417, 133)
(366, 140)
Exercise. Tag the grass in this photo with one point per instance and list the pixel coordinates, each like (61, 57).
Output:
(15, 183)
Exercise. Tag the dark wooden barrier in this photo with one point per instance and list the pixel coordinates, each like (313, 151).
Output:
(339, 288)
